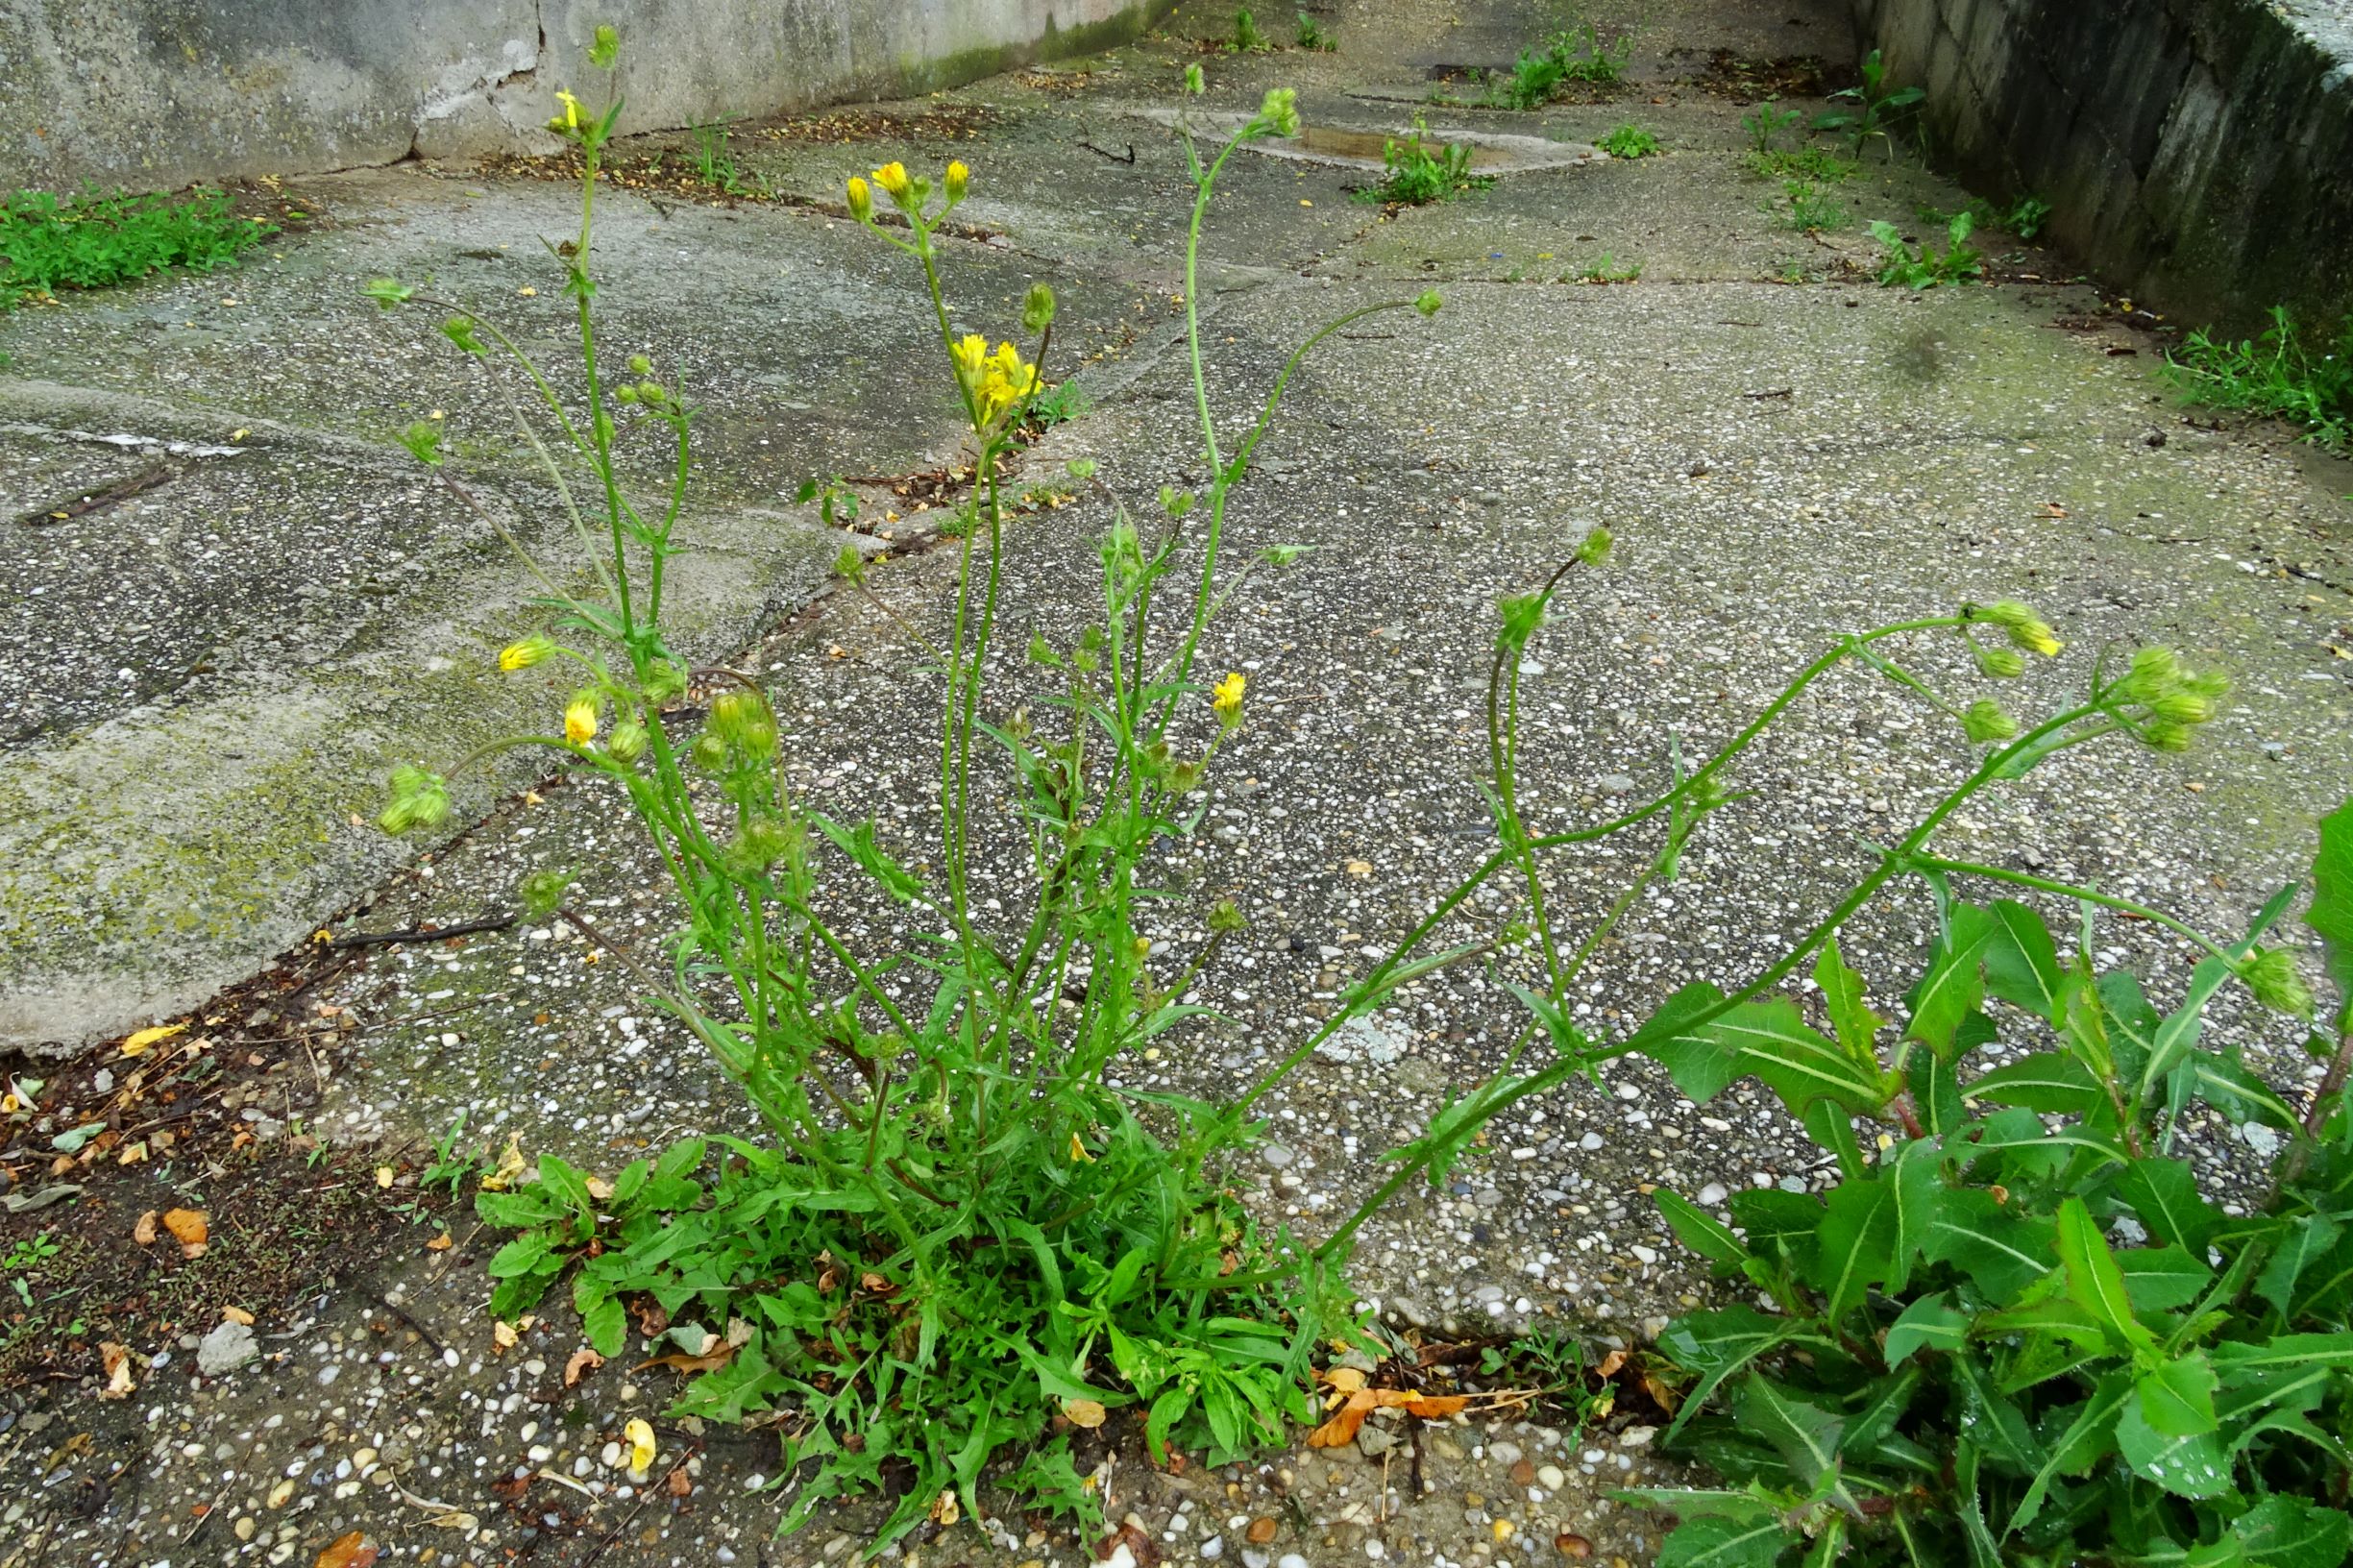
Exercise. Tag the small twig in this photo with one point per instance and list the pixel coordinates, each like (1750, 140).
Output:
(424, 933)
(588, 1560)
(1114, 157)
(402, 1313)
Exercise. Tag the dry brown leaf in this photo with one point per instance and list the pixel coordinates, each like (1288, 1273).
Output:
(1342, 1430)
(351, 1551)
(238, 1314)
(876, 1284)
(144, 1231)
(1085, 1412)
(1611, 1363)
(511, 1164)
(584, 1360)
(117, 1362)
(599, 1188)
(1663, 1396)
(710, 1361)
(678, 1482)
(502, 1335)
(190, 1229)
(441, 1243)
(1346, 1379)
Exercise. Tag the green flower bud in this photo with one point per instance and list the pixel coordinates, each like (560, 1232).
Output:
(459, 329)
(628, 742)
(1038, 308)
(1279, 111)
(709, 752)
(1594, 548)
(1193, 83)
(1225, 916)
(2165, 735)
(763, 841)
(2028, 629)
(2183, 708)
(1522, 614)
(664, 681)
(652, 392)
(1174, 501)
(2000, 663)
(2270, 975)
(734, 713)
(423, 439)
(626, 393)
(2155, 674)
(543, 892)
(414, 798)
(850, 566)
(606, 47)
(1429, 302)
(1041, 651)
(640, 365)
(1986, 720)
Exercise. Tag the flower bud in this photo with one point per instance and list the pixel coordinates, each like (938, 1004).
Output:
(763, 841)
(526, 652)
(709, 752)
(415, 799)
(2183, 708)
(2166, 735)
(664, 681)
(652, 392)
(861, 199)
(2155, 674)
(1038, 308)
(2270, 975)
(2028, 629)
(543, 892)
(1193, 83)
(1279, 111)
(1594, 546)
(627, 741)
(1429, 302)
(733, 714)
(955, 180)
(1522, 614)
(1986, 720)
(423, 439)
(2000, 663)
(605, 47)
(640, 365)
(626, 393)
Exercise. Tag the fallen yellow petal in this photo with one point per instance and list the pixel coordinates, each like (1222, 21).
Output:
(146, 1038)
(640, 1433)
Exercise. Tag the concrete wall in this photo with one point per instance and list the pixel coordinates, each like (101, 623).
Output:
(2198, 154)
(160, 94)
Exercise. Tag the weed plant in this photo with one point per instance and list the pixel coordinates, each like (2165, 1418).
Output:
(956, 1241)
(1539, 74)
(1628, 141)
(1876, 109)
(1920, 266)
(1312, 36)
(1247, 39)
(1815, 163)
(1420, 171)
(1766, 122)
(96, 239)
(1811, 209)
(1608, 270)
(2281, 375)
(2014, 1330)
(2023, 217)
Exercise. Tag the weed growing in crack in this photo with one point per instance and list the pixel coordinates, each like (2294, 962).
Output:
(1421, 171)
(1539, 74)
(1628, 141)
(1606, 270)
(1876, 108)
(1810, 207)
(1765, 124)
(2284, 373)
(836, 502)
(1247, 39)
(1312, 36)
(1920, 266)
(95, 240)
(1814, 163)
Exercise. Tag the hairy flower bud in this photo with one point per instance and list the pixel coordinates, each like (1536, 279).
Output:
(605, 47)
(763, 841)
(2028, 629)
(2270, 975)
(415, 799)
(664, 681)
(1429, 302)
(580, 717)
(709, 752)
(1594, 546)
(2156, 674)
(861, 199)
(954, 181)
(640, 365)
(543, 892)
(2183, 708)
(735, 714)
(2001, 663)
(2166, 735)
(1038, 308)
(1279, 111)
(526, 652)
(628, 742)
(1986, 720)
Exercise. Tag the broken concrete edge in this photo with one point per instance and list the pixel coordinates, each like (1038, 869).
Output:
(2198, 154)
(156, 96)
(1514, 153)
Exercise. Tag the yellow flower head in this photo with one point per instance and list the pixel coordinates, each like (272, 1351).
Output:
(1227, 699)
(1005, 379)
(970, 351)
(956, 179)
(893, 178)
(861, 198)
(580, 718)
(571, 109)
(522, 654)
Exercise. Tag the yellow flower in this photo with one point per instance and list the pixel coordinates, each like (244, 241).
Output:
(571, 109)
(1228, 698)
(861, 199)
(958, 176)
(524, 652)
(969, 351)
(580, 719)
(1078, 1152)
(893, 178)
(1004, 379)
